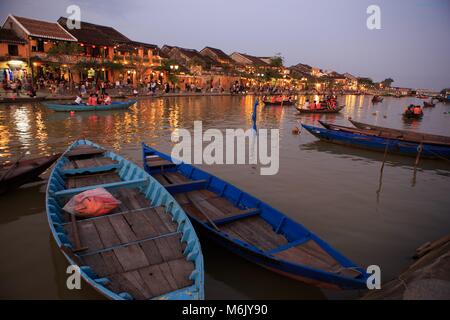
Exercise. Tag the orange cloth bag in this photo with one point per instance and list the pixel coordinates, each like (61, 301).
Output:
(92, 203)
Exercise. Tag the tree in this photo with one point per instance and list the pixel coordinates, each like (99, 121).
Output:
(387, 82)
(276, 61)
(63, 53)
(365, 81)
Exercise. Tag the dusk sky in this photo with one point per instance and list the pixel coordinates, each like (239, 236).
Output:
(412, 47)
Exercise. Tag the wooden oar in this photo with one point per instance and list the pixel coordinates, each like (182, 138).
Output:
(76, 236)
(196, 205)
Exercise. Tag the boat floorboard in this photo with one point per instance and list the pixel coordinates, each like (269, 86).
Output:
(312, 255)
(253, 230)
(135, 246)
(94, 161)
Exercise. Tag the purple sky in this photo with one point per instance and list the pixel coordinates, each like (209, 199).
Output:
(413, 46)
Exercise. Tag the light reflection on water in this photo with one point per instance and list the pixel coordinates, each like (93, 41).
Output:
(330, 189)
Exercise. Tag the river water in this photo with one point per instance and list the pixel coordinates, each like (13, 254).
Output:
(330, 189)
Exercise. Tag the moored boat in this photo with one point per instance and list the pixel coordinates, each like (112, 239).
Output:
(379, 141)
(412, 135)
(16, 174)
(322, 110)
(146, 248)
(427, 104)
(377, 99)
(115, 105)
(251, 228)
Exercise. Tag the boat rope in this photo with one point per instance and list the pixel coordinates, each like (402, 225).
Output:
(438, 155)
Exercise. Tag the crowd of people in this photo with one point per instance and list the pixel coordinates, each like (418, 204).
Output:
(329, 103)
(413, 110)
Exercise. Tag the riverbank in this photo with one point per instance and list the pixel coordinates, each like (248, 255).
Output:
(118, 94)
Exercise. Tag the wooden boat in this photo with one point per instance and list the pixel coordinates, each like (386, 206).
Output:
(14, 175)
(83, 107)
(323, 110)
(369, 139)
(21, 99)
(427, 104)
(407, 134)
(411, 115)
(377, 99)
(277, 103)
(144, 249)
(251, 228)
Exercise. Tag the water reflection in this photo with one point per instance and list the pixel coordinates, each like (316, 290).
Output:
(331, 189)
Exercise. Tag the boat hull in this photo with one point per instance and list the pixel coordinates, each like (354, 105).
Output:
(284, 103)
(379, 144)
(116, 105)
(14, 180)
(308, 111)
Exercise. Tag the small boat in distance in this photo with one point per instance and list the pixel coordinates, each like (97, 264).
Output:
(250, 228)
(427, 104)
(415, 136)
(146, 248)
(23, 171)
(278, 101)
(115, 105)
(381, 141)
(322, 110)
(377, 99)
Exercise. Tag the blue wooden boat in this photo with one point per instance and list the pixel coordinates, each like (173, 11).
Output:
(144, 249)
(251, 228)
(116, 105)
(380, 140)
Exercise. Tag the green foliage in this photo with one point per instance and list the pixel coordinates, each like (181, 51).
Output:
(272, 74)
(276, 61)
(365, 81)
(64, 48)
(387, 82)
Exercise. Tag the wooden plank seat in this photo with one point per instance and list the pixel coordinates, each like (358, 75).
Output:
(155, 162)
(89, 163)
(137, 248)
(77, 181)
(84, 151)
(244, 225)
(311, 254)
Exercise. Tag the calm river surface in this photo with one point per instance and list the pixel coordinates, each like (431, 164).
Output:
(330, 189)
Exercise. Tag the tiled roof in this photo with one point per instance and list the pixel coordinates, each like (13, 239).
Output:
(254, 60)
(95, 34)
(192, 53)
(220, 54)
(9, 36)
(43, 29)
